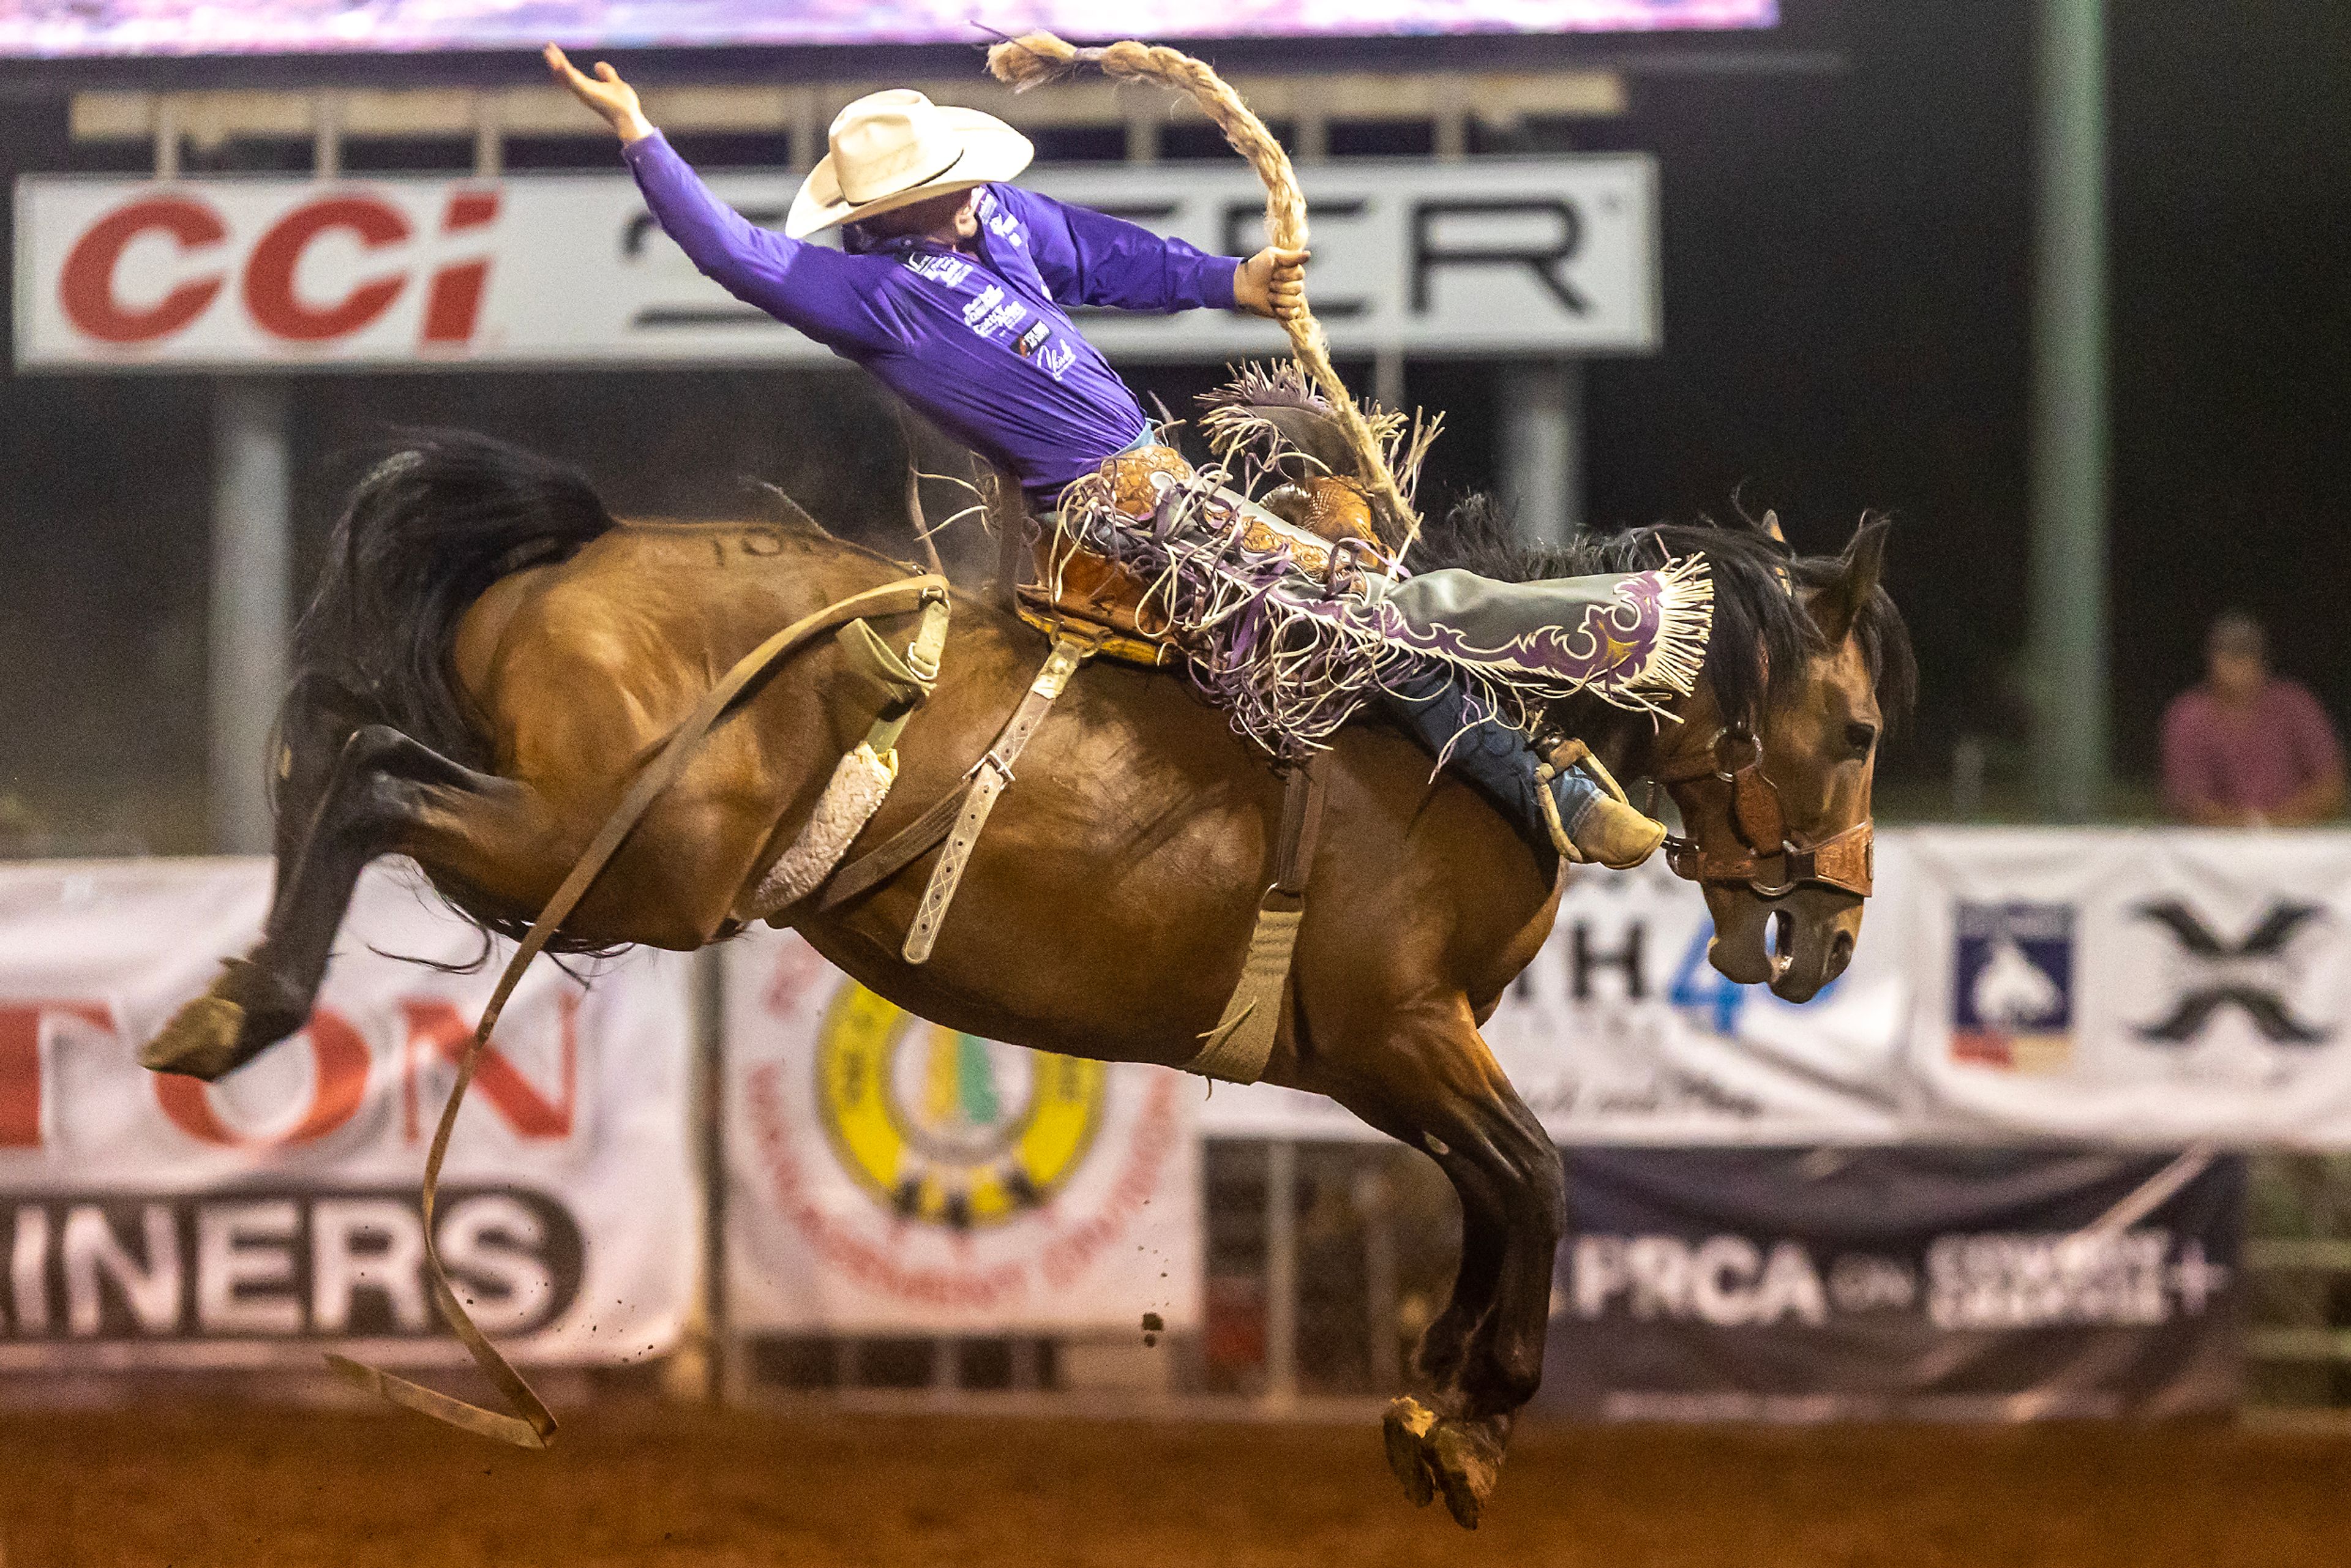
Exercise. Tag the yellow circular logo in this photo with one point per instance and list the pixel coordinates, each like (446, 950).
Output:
(946, 1127)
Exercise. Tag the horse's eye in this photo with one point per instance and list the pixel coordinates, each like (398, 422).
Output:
(1861, 737)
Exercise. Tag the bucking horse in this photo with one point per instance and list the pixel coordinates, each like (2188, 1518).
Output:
(492, 663)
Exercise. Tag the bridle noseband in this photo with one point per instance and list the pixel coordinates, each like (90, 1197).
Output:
(1842, 861)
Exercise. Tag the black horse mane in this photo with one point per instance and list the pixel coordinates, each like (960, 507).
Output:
(1758, 625)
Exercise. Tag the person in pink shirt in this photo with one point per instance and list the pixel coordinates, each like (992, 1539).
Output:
(2248, 748)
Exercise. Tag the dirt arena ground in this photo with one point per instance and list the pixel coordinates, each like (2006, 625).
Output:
(647, 1485)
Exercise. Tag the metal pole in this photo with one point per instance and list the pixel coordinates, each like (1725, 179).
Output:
(1542, 448)
(1385, 1362)
(1280, 1273)
(167, 137)
(1312, 133)
(327, 136)
(2069, 416)
(809, 134)
(1142, 139)
(942, 1369)
(1452, 119)
(489, 137)
(1387, 379)
(704, 1367)
(252, 524)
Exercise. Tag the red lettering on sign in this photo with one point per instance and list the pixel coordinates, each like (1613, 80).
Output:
(435, 1029)
(338, 1089)
(470, 210)
(85, 287)
(21, 1024)
(454, 304)
(269, 276)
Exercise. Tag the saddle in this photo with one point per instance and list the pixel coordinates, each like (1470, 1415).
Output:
(1078, 593)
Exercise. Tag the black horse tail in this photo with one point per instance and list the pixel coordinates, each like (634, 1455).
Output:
(426, 531)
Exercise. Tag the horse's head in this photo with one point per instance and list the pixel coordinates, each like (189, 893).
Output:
(1772, 764)
(1772, 759)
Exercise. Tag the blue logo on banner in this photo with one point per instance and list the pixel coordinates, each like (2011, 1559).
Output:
(2012, 986)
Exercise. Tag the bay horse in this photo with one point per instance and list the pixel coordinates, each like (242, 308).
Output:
(491, 656)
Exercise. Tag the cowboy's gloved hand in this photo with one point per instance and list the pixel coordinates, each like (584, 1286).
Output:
(1272, 283)
(604, 92)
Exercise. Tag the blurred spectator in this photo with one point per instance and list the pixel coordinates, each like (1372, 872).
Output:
(2248, 748)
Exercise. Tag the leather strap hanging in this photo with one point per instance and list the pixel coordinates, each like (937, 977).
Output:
(534, 1427)
(988, 779)
(1240, 1045)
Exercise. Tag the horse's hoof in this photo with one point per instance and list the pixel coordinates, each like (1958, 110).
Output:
(1432, 1454)
(247, 1009)
(1406, 1429)
(201, 1041)
(1468, 1461)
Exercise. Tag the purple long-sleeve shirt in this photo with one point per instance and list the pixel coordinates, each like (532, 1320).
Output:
(976, 340)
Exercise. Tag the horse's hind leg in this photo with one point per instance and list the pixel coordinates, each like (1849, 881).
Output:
(387, 793)
(1433, 1083)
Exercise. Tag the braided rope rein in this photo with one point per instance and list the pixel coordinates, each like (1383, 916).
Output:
(1036, 58)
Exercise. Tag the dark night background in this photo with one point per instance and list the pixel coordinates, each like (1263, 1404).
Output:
(1847, 263)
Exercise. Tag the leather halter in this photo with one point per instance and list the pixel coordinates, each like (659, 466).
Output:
(1842, 861)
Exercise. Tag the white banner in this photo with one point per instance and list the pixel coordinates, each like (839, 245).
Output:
(887, 1174)
(2138, 987)
(2133, 989)
(1485, 255)
(156, 1221)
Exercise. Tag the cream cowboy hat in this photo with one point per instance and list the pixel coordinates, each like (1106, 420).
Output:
(894, 148)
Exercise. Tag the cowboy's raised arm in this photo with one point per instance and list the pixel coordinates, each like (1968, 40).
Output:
(1091, 258)
(819, 291)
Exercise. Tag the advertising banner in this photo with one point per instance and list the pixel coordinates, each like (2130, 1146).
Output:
(2140, 989)
(154, 1221)
(1877, 1284)
(1492, 255)
(2139, 986)
(885, 1175)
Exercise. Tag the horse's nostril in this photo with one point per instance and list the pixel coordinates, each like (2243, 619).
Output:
(1840, 954)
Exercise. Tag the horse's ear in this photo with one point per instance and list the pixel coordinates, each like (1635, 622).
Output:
(1835, 608)
(1772, 526)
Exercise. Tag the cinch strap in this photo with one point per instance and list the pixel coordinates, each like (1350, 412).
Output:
(1240, 1045)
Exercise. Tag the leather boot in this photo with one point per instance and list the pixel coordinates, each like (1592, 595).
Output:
(1569, 801)
(1589, 818)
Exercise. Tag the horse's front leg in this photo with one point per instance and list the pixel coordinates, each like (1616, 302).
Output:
(1430, 1082)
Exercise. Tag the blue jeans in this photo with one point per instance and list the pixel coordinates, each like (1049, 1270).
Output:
(1495, 757)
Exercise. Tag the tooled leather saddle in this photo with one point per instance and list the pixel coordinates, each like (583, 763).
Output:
(1077, 592)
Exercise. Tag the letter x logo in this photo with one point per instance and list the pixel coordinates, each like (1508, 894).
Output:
(2236, 974)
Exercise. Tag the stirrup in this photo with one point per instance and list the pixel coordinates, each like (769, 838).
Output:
(1567, 754)
(1545, 774)
(1573, 753)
